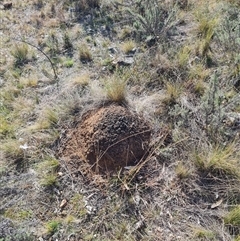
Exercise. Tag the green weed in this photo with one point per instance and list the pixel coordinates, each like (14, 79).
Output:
(53, 226)
(68, 63)
(150, 18)
(16, 214)
(48, 172)
(49, 180)
(50, 164)
(6, 128)
(78, 205)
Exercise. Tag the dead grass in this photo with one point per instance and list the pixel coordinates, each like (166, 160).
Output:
(81, 80)
(85, 53)
(115, 89)
(128, 46)
(219, 161)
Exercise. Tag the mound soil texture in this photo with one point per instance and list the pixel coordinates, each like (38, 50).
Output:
(108, 138)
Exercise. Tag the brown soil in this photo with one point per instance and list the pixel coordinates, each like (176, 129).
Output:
(108, 138)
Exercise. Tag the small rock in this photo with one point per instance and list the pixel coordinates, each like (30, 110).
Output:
(232, 120)
(150, 41)
(237, 84)
(124, 62)
(90, 31)
(7, 5)
(112, 50)
(64, 213)
(1, 82)
(63, 203)
(60, 174)
(132, 52)
(216, 204)
(90, 209)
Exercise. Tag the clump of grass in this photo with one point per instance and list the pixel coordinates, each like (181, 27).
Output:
(78, 205)
(20, 54)
(233, 217)
(11, 149)
(149, 18)
(53, 226)
(199, 87)
(115, 90)
(203, 234)
(51, 116)
(25, 214)
(53, 44)
(31, 81)
(85, 54)
(198, 72)
(6, 129)
(50, 164)
(16, 214)
(128, 46)
(22, 107)
(69, 219)
(206, 26)
(41, 124)
(220, 161)
(173, 92)
(67, 43)
(49, 180)
(82, 80)
(49, 119)
(125, 33)
(89, 39)
(205, 30)
(237, 238)
(183, 56)
(48, 170)
(182, 171)
(68, 63)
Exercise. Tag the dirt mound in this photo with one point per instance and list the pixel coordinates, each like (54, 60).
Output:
(108, 138)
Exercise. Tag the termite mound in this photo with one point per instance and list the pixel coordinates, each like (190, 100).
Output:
(108, 138)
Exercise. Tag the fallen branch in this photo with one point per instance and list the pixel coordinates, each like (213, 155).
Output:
(48, 58)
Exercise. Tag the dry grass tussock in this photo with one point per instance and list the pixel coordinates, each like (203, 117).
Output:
(173, 63)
